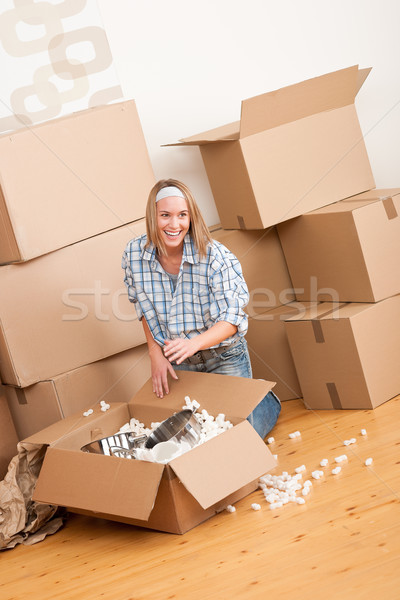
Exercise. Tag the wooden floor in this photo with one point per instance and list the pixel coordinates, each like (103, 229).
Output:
(344, 543)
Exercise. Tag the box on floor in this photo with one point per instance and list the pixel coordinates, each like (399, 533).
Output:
(263, 262)
(66, 309)
(269, 350)
(8, 436)
(348, 251)
(71, 178)
(347, 355)
(294, 150)
(173, 497)
(113, 379)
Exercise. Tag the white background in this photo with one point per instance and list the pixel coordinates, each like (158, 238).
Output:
(189, 64)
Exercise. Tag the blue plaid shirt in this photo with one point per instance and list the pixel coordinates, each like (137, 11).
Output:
(209, 289)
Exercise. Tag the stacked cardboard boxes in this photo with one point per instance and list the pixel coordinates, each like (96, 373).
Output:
(296, 150)
(64, 224)
(348, 256)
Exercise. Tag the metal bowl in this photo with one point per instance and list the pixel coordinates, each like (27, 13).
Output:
(119, 444)
(181, 426)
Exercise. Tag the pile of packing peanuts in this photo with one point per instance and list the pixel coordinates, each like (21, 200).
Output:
(285, 488)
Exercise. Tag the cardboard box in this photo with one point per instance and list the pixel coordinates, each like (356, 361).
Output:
(264, 266)
(113, 379)
(71, 178)
(348, 251)
(347, 356)
(294, 150)
(173, 497)
(269, 349)
(66, 309)
(8, 436)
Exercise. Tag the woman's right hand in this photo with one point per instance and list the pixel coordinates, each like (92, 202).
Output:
(160, 367)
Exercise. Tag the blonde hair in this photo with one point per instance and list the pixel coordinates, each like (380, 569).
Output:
(198, 230)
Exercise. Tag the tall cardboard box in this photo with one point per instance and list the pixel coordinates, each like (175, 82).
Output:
(8, 436)
(348, 251)
(269, 349)
(263, 262)
(294, 150)
(113, 379)
(174, 497)
(66, 309)
(71, 178)
(348, 355)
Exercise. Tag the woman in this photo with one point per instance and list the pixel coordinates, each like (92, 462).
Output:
(189, 293)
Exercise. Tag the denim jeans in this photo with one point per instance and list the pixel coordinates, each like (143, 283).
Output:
(236, 361)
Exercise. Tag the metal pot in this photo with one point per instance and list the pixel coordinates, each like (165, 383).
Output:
(181, 426)
(119, 444)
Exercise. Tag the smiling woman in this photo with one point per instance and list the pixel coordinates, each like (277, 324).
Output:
(189, 293)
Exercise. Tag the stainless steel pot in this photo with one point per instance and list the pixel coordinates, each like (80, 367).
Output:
(181, 426)
(119, 444)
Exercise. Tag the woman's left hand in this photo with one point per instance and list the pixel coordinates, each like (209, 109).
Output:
(178, 350)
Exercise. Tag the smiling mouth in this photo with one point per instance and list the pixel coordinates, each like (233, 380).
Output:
(172, 233)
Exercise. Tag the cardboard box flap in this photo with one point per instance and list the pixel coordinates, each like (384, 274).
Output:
(361, 77)
(126, 487)
(300, 100)
(227, 132)
(118, 414)
(222, 465)
(236, 397)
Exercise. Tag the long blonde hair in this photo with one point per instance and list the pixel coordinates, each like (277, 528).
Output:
(198, 230)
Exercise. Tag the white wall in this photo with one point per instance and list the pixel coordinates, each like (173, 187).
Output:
(189, 64)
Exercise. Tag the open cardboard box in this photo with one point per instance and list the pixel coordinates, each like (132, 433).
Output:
(294, 150)
(347, 355)
(173, 497)
(349, 250)
(71, 178)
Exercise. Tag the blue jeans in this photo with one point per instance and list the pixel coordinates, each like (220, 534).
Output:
(236, 361)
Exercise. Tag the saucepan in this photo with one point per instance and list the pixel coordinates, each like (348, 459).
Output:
(180, 427)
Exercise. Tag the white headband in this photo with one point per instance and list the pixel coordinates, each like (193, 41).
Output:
(171, 190)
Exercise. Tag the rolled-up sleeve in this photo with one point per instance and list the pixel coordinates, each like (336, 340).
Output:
(130, 284)
(229, 292)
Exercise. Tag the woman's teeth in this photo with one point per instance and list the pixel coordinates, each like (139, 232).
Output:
(172, 234)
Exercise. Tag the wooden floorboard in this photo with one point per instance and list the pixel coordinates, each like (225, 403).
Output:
(343, 543)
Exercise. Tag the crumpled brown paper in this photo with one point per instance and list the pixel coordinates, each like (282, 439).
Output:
(22, 520)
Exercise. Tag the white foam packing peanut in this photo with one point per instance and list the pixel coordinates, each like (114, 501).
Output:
(363, 432)
(336, 470)
(231, 508)
(271, 440)
(368, 462)
(256, 506)
(324, 462)
(87, 413)
(341, 458)
(295, 434)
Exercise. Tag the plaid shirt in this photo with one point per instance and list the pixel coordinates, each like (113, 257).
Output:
(209, 289)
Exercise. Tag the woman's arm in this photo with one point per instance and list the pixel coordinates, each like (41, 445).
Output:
(179, 349)
(160, 366)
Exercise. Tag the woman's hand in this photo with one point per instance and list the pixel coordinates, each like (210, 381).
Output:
(160, 367)
(179, 349)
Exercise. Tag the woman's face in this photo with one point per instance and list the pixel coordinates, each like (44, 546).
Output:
(173, 221)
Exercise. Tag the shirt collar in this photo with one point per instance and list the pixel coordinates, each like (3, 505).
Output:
(190, 253)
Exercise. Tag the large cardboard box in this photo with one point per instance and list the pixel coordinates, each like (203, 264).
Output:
(263, 262)
(8, 436)
(348, 355)
(113, 379)
(348, 251)
(71, 178)
(173, 497)
(66, 309)
(294, 150)
(269, 349)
